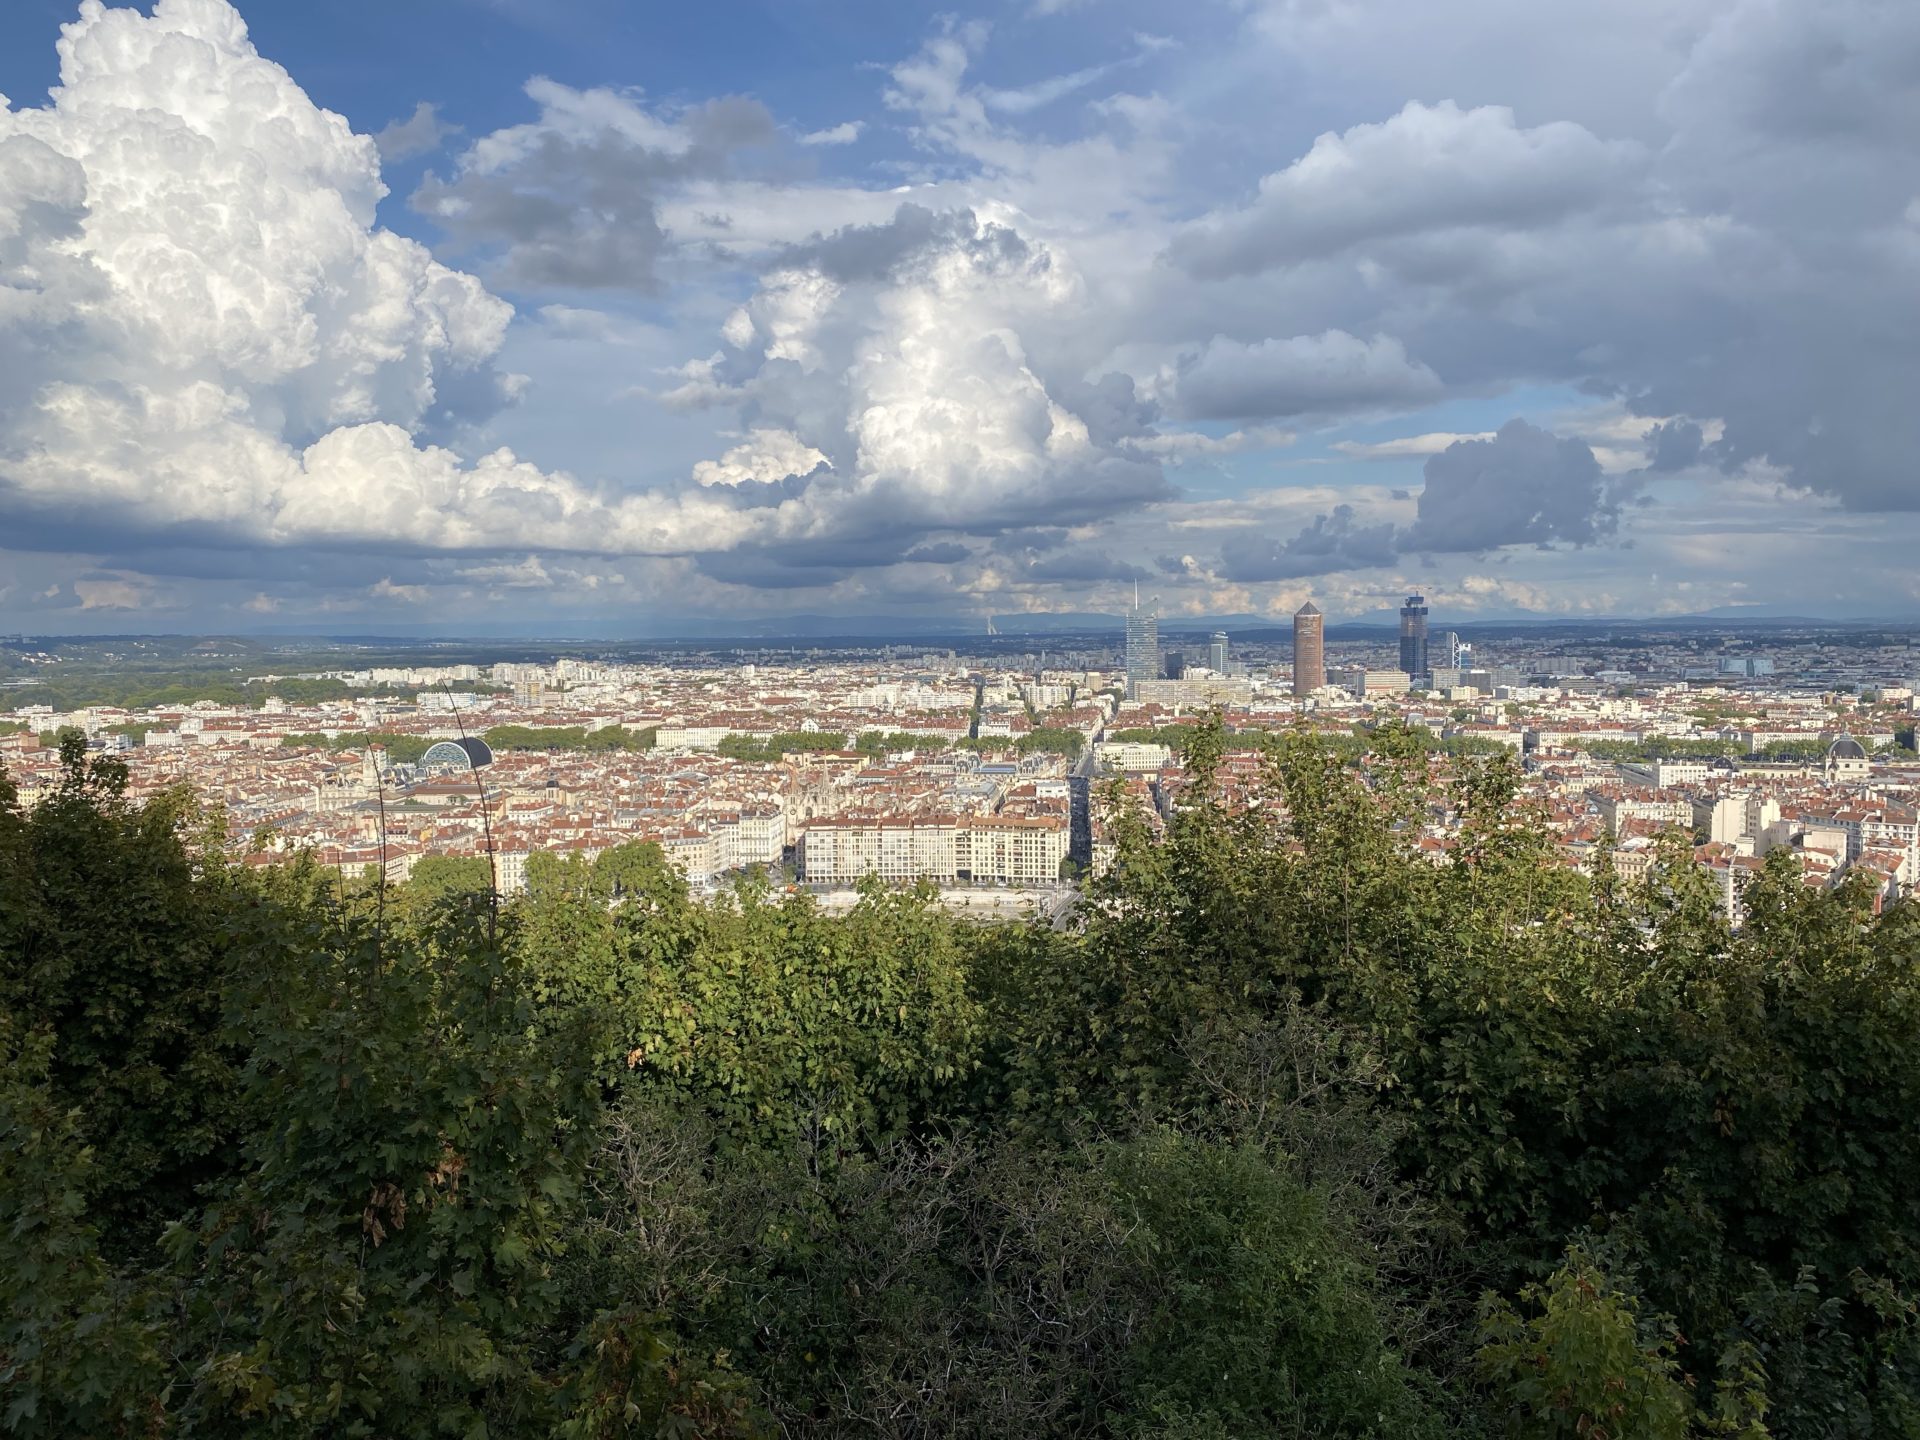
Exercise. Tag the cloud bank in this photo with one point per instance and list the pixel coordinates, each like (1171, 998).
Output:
(1052, 302)
(208, 335)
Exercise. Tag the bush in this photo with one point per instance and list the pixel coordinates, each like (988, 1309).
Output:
(1583, 1363)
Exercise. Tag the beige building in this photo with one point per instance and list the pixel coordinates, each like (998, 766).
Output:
(985, 849)
(1010, 850)
(755, 835)
(1377, 682)
(1207, 690)
(848, 849)
(1664, 774)
(1131, 755)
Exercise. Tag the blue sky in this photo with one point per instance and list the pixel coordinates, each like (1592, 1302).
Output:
(581, 310)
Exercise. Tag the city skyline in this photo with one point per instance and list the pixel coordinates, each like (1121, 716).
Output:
(608, 317)
(966, 769)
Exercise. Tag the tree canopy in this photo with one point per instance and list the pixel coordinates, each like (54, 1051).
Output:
(568, 737)
(1293, 1133)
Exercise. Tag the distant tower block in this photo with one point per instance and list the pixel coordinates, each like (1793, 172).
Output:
(1309, 649)
(1413, 636)
(1143, 644)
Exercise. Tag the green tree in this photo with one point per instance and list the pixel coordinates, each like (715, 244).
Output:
(1053, 740)
(436, 878)
(1584, 1363)
(78, 1353)
(111, 924)
(384, 1267)
(774, 747)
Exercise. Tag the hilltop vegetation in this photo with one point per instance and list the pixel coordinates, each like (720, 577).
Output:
(1299, 1135)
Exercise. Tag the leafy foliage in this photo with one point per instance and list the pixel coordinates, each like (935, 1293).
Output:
(77, 1354)
(1296, 1132)
(1581, 1365)
(881, 742)
(774, 747)
(384, 1258)
(112, 921)
(1052, 740)
(609, 738)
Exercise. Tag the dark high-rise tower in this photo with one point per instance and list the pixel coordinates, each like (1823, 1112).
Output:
(1309, 649)
(1413, 636)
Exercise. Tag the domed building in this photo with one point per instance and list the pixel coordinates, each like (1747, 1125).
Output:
(1846, 761)
(459, 757)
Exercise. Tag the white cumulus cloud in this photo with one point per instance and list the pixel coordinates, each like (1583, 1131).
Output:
(765, 456)
(897, 354)
(844, 133)
(203, 330)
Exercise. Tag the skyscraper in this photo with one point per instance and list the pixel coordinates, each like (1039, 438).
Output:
(1309, 649)
(1143, 646)
(1413, 636)
(1217, 653)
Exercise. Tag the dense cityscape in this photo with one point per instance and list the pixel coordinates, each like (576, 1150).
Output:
(992, 778)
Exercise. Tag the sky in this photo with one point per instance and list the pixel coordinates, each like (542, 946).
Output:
(578, 315)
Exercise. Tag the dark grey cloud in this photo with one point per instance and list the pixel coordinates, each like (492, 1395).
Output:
(1332, 543)
(1804, 113)
(1673, 445)
(420, 133)
(1522, 487)
(761, 571)
(1112, 407)
(1034, 541)
(292, 564)
(1326, 374)
(857, 253)
(884, 539)
(579, 208)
